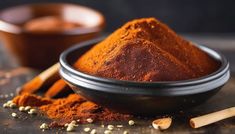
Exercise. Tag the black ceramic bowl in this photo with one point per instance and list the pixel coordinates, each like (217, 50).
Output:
(142, 98)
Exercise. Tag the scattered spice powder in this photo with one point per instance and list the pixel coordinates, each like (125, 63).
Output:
(146, 50)
(73, 107)
(31, 100)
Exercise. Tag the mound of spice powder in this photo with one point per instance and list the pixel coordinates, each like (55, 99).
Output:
(64, 110)
(146, 50)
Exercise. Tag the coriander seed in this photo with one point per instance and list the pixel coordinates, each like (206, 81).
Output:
(93, 131)
(110, 127)
(131, 122)
(87, 129)
(14, 115)
(89, 120)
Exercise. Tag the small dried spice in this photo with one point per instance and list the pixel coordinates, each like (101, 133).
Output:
(107, 132)
(125, 132)
(27, 108)
(119, 126)
(131, 122)
(12, 105)
(73, 122)
(87, 129)
(93, 131)
(21, 108)
(70, 128)
(110, 127)
(89, 120)
(9, 104)
(162, 124)
(32, 111)
(44, 126)
(14, 115)
(5, 105)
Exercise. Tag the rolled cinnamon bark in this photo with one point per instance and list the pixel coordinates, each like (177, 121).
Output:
(47, 77)
(212, 117)
(58, 89)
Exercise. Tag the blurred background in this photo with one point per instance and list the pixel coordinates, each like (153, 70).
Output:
(208, 22)
(184, 16)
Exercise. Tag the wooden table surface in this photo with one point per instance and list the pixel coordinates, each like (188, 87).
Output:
(12, 76)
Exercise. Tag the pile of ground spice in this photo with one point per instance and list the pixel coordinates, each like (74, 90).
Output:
(64, 110)
(146, 50)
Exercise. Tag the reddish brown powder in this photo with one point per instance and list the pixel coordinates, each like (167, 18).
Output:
(65, 110)
(146, 50)
(31, 100)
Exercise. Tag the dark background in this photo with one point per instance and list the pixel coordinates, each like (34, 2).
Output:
(185, 16)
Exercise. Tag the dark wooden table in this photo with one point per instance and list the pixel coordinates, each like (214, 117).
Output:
(12, 76)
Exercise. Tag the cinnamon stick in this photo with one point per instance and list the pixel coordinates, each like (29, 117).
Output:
(58, 89)
(212, 117)
(46, 77)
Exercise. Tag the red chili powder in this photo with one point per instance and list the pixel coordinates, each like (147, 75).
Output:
(146, 50)
(65, 110)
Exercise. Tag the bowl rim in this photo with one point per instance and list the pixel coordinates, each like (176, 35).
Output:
(15, 29)
(223, 69)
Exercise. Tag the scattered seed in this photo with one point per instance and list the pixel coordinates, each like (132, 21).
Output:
(27, 108)
(70, 128)
(9, 102)
(93, 131)
(14, 115)
(32, 111)
(78, 120)
(110, 127)
(89, 120)
(21, 108)
(73, 122)
(71, 125)
(125, 132)
(12, 105)
(162, 123)
(87, 129)
(44, 126)
(119, 126)
(131, 122)
(107, 132)
(5, 105)
(102, 125)
(6, 95)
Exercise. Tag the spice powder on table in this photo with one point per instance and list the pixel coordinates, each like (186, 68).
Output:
(141, 50)
(73, 107)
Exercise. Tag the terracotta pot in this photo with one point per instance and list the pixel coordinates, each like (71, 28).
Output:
(41, 50)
